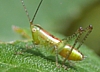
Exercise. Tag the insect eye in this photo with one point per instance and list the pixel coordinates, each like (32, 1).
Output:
(33, 30)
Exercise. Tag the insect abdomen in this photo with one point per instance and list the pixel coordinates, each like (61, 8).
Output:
(75, 54)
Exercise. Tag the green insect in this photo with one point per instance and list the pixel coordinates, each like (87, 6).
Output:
(61, 47)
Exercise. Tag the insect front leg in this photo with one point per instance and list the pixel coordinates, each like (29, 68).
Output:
(21, 31)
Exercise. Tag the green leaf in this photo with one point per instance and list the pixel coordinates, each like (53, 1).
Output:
(39, 59)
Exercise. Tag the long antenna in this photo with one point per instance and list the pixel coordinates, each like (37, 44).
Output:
(25, 9)
(36, 11)
(31, 21)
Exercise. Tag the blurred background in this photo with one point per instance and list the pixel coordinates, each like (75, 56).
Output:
(61, 16)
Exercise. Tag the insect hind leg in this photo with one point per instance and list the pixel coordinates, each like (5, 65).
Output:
(78, 34)
(89, 28)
